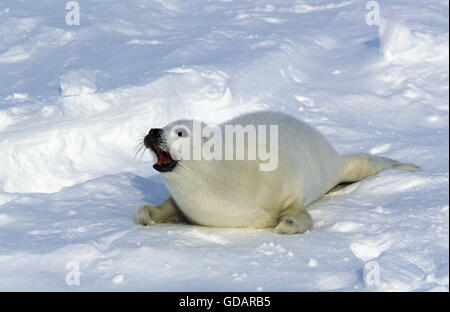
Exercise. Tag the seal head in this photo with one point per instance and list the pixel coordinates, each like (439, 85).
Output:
(155, 141)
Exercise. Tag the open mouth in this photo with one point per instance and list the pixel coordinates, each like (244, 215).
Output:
(165, 162)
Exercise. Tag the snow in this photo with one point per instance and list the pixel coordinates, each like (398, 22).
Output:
(78, 82)
(75, 100)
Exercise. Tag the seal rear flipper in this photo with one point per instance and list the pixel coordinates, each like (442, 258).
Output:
(360, 166)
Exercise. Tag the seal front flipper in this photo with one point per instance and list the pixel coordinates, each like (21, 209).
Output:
(167, 212)
(294, 220)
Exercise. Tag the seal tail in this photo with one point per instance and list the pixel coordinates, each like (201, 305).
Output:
(360, 166)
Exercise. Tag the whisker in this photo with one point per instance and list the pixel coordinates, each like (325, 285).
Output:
(139, 149)
(140, 142)
(142, 154)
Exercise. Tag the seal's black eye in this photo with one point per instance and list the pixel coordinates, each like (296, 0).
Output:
(180, 134)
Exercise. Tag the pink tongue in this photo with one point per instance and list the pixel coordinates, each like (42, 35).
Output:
(163, 157)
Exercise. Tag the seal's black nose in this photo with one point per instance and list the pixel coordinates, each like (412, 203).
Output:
(155, 132)
(152, 136)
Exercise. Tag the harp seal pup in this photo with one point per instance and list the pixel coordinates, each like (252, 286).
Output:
(236, 193)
